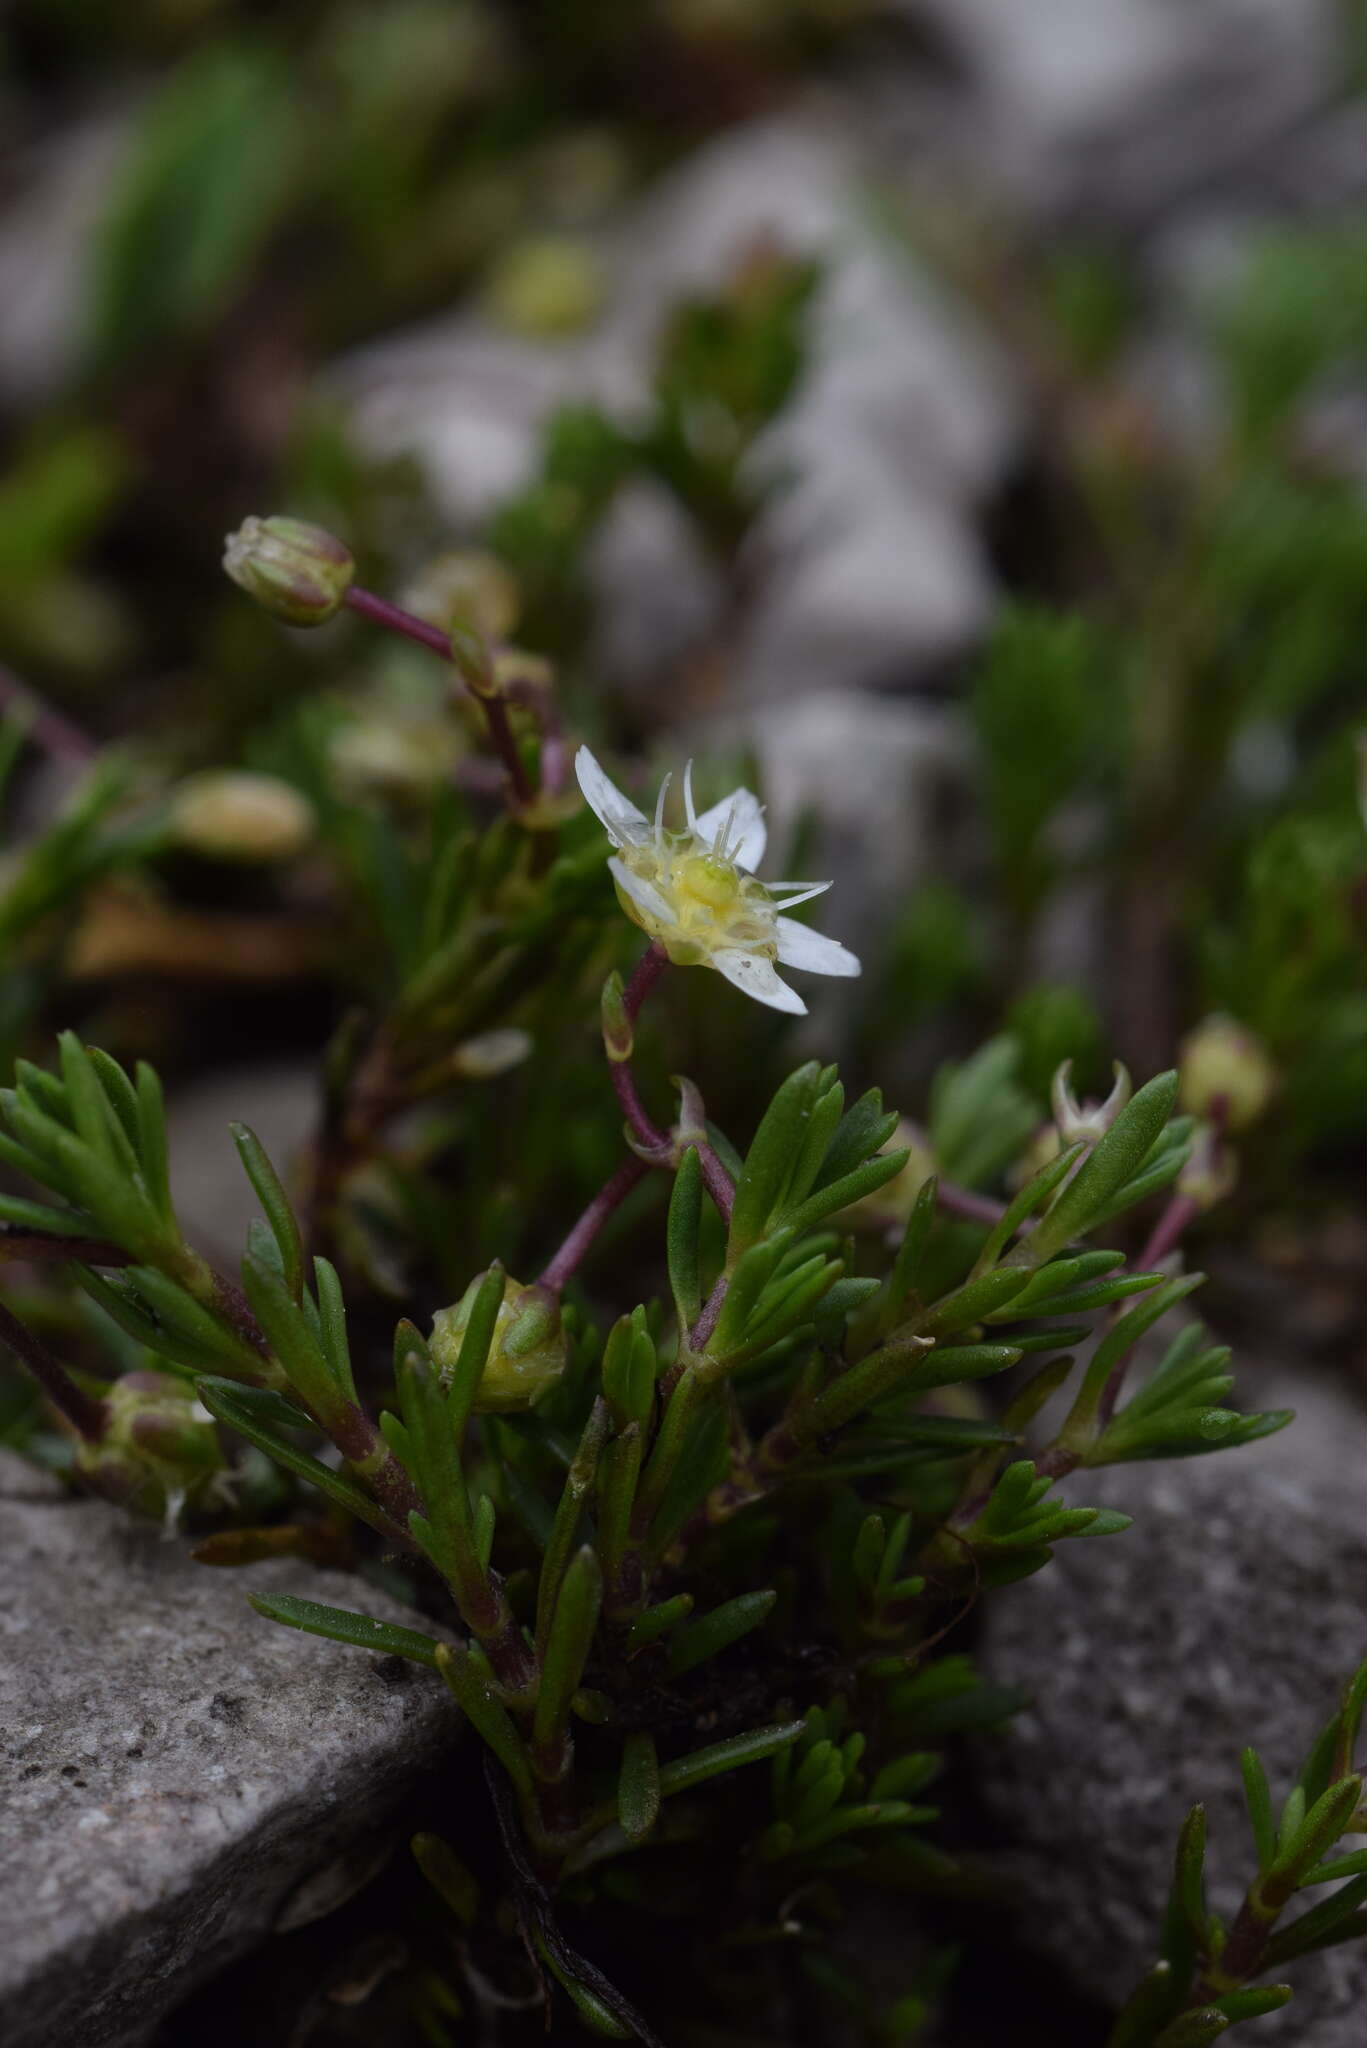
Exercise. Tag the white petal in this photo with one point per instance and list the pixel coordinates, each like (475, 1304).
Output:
(741, 817)
(643, 894)
(799, 946)
(804, 892)
(618, 816)
(755, 975)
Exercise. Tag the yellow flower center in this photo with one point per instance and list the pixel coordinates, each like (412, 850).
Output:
(712, 903)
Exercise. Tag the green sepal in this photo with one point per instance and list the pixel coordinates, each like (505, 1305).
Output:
(340, 1625)
(695, 1641)
(449, 1877)
(567, 1646)
(254, 1412)
(275, 1203)
(681, 1238)
(287, 1331)
(1343, 1917)
(731, 1755)
(975, 1301)
(474, 1349)
(468, 1678)
(1258, 1797)
(773, 1148)
(1080, 1205)
(638, 1785)
(657, 1621)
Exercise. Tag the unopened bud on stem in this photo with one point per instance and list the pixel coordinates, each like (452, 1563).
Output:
(528, 1352)
(618, 1037)
(296, 571)
(1226, 1069)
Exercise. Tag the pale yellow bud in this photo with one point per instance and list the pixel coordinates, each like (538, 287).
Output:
(159, 1448)
(549, 285)
(231, 814)
(466, 585)
(298, 572)
(1226, 1067)
(1211, 1172)
(491, 1053)
(894, 1202)
(528, 1353)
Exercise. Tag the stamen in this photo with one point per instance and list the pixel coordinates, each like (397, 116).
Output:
(805, 892)
(689, 810)
(660, 805)
(723, 837)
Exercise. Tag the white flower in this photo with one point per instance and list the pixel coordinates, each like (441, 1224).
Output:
(696, 893)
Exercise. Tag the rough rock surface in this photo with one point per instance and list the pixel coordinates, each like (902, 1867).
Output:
(1230, 1614)
(173, 1769)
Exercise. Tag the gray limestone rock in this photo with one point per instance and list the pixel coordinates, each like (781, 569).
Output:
(281, 1100)
(175, 1771)
(887, 780)
(1230, 1614)
(60, 192)
(1114, 109)
(867, 566)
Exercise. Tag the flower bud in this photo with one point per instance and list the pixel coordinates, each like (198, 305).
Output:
(296, 571)
(1224, 1064)
(159, 1448)
(547, 285)
(393, 757)
(491, 1053)
(618, 1037)
(894, 1201)
(466, 584)
(1087, 1121)
(528, 1353)
(231, 814)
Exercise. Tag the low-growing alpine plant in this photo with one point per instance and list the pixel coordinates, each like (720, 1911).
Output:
(692, 1573)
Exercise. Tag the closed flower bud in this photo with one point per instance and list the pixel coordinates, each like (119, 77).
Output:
(231, 814)
(159, 1448)
(547, 285)
(468, 585)
(491, 1053)
(1226, 1068)
(618, 1038)
(528, 1353)
(298, 572)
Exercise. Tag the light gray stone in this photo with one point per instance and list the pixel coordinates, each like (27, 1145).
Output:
(886, 780)
(60, 194)
(175, 1771)
(1113, 109)
(1230, 1614)
(281, 1100)
(866, 565)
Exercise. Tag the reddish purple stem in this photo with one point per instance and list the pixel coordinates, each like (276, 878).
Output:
(85, 1414)
(609, 1197)
(394, 619)
(52, 731)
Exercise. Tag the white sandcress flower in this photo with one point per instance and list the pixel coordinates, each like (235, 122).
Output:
(695, 891)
